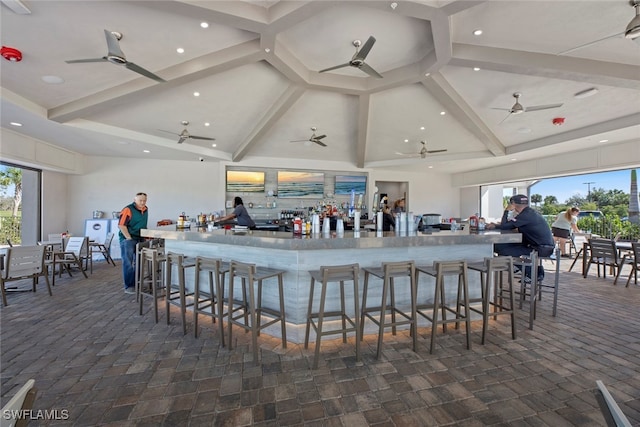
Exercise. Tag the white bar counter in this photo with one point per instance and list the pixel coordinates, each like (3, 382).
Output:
(297, 254)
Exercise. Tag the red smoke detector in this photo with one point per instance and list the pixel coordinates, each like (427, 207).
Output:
(11, 54)
(558, 121)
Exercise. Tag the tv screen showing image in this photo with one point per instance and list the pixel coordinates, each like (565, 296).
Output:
(300, 184)
(346, 183)
(245, 182)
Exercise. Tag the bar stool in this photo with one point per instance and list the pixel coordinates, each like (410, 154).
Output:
(150, 284)
(250, 274)
(151, 244)
(388, 272)
(503, 302)
(439, 270)
(209, 303)
(326, 274)
(176, 294)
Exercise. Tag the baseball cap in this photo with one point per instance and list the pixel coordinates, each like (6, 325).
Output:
(520, 199)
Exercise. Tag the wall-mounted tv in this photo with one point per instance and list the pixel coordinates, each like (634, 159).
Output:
(245, 182)
(346, 183)
(300, 184)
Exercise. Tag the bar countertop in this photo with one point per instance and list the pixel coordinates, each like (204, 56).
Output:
(348, 240)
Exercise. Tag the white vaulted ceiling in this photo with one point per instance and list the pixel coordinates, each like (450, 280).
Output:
(256, 69)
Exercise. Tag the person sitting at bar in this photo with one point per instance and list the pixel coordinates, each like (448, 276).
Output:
(387, 219)
(536, 234)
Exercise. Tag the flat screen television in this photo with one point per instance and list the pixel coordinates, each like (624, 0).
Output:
(245, 182)
(346, 183)
(300, 184)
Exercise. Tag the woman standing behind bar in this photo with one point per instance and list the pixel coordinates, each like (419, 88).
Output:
(240, 214)
(565, 224)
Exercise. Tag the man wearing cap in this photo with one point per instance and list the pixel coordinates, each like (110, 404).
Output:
(535, 231)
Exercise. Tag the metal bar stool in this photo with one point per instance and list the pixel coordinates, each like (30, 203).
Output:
(250, 274)
(151, 284)
(439, 270)
(326, 274)
(528, 286)
(176, 294)
(503, 302)
(209, 303)
(388, 272)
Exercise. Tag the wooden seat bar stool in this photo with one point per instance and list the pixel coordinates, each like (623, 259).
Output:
(326, 275)
(439, 271)
(210, 302)
(249, 275)
(503, 302)
(151, 283)
(378, 313)
(176, 294)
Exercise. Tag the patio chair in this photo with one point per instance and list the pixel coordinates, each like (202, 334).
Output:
(604, 252)
(23, 262)
(21, 402)
(611, 412)
(633, 259)
(101, 248)
(73, 253)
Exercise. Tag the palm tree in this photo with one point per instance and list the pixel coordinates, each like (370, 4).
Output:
(12, 176)
(536, 199)
(633, 199)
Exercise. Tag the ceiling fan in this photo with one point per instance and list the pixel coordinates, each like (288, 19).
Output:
(632, 32)
(518, 108)
(357, 61)
(423, 151)
(116, 56)
(184, 135)
(313, 138)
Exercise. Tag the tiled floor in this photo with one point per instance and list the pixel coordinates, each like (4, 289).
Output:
(94, 356)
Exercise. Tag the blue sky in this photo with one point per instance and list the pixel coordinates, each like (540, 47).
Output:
(565, 187)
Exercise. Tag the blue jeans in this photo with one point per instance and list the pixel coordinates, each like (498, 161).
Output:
(128, 252)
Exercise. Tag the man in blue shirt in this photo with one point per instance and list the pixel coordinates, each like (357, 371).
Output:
(536, 234)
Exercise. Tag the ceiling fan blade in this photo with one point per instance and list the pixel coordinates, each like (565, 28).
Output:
(138, 69)
(436, 151)
(113, 45)
(503, 120)
(80, 61)
(319, 143)
(335, 68)
(204, 138)
(181, 140)
(172, 133)
(501, 109)
(364, 51)
(542, 107)
(573, 49)
(367, 69)
(319, 137)
(300, 140)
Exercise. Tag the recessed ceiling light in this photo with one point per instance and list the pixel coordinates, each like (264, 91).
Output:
(427, 74)
(267, 50)
(204, 24)
(442, 113)
(421, 127)
(513, 160)
(430, 167)
(393, 5)
(586, 93)
(196, 93)
(15, 124)
(52, 80)
(406, 140)
(180, 50)
(604, 140)
(146, 151)
(476, 68)
(214, 145)
(207, 124)
(477, 32)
